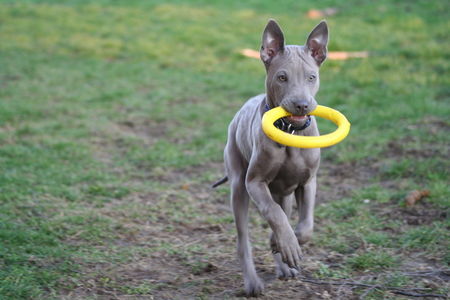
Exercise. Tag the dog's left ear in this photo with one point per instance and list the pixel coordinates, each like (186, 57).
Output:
(317, 42)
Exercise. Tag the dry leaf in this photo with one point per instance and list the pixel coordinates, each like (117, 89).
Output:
(315, 14)
(319, 14)
(343, 55)
(250, 53)
(415, 196)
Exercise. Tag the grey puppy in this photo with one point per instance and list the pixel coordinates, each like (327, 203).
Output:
(272, 175)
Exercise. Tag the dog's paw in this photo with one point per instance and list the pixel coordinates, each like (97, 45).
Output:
(254, 288)
(289, 249)
(284, 272)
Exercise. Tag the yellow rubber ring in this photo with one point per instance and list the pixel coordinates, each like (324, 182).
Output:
(291, 140)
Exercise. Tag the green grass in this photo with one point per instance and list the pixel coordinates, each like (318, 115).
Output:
(113, 118)
(371, 260)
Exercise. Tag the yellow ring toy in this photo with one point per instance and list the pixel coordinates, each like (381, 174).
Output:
(322, 141)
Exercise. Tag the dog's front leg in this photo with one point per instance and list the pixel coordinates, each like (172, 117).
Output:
(285, 237)
(282, 269)
(306, 198)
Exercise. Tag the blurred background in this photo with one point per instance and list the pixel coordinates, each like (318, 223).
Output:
(113, 119)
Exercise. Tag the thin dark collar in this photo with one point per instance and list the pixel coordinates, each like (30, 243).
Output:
(288, 127)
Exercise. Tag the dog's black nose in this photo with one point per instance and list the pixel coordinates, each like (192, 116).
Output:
(302, 107)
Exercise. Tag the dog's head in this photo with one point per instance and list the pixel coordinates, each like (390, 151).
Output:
(293, 71)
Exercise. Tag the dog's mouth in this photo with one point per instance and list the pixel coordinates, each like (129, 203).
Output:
(297, 120)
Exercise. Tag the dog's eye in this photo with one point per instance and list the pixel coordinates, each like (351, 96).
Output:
(312, 77)
(282, 77)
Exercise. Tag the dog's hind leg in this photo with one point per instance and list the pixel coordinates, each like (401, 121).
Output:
(306, 197)
(282, 270)
(240, 202)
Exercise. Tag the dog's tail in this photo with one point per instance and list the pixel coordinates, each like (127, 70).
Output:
(221, 181)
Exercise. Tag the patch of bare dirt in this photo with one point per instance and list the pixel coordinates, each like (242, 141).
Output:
(144, 130)
(186, 259)
(399, 149)
(422, 213)
(336, 181)
(178, 268)
(112, 141)
(411, 146)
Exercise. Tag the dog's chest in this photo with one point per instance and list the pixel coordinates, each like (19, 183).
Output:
(298, 167)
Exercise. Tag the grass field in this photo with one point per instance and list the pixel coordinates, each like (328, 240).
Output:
(113, 118)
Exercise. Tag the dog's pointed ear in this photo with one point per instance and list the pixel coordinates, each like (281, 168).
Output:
(317, 42)
(272, 42)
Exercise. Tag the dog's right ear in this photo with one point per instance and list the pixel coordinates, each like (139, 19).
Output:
(272, 42)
